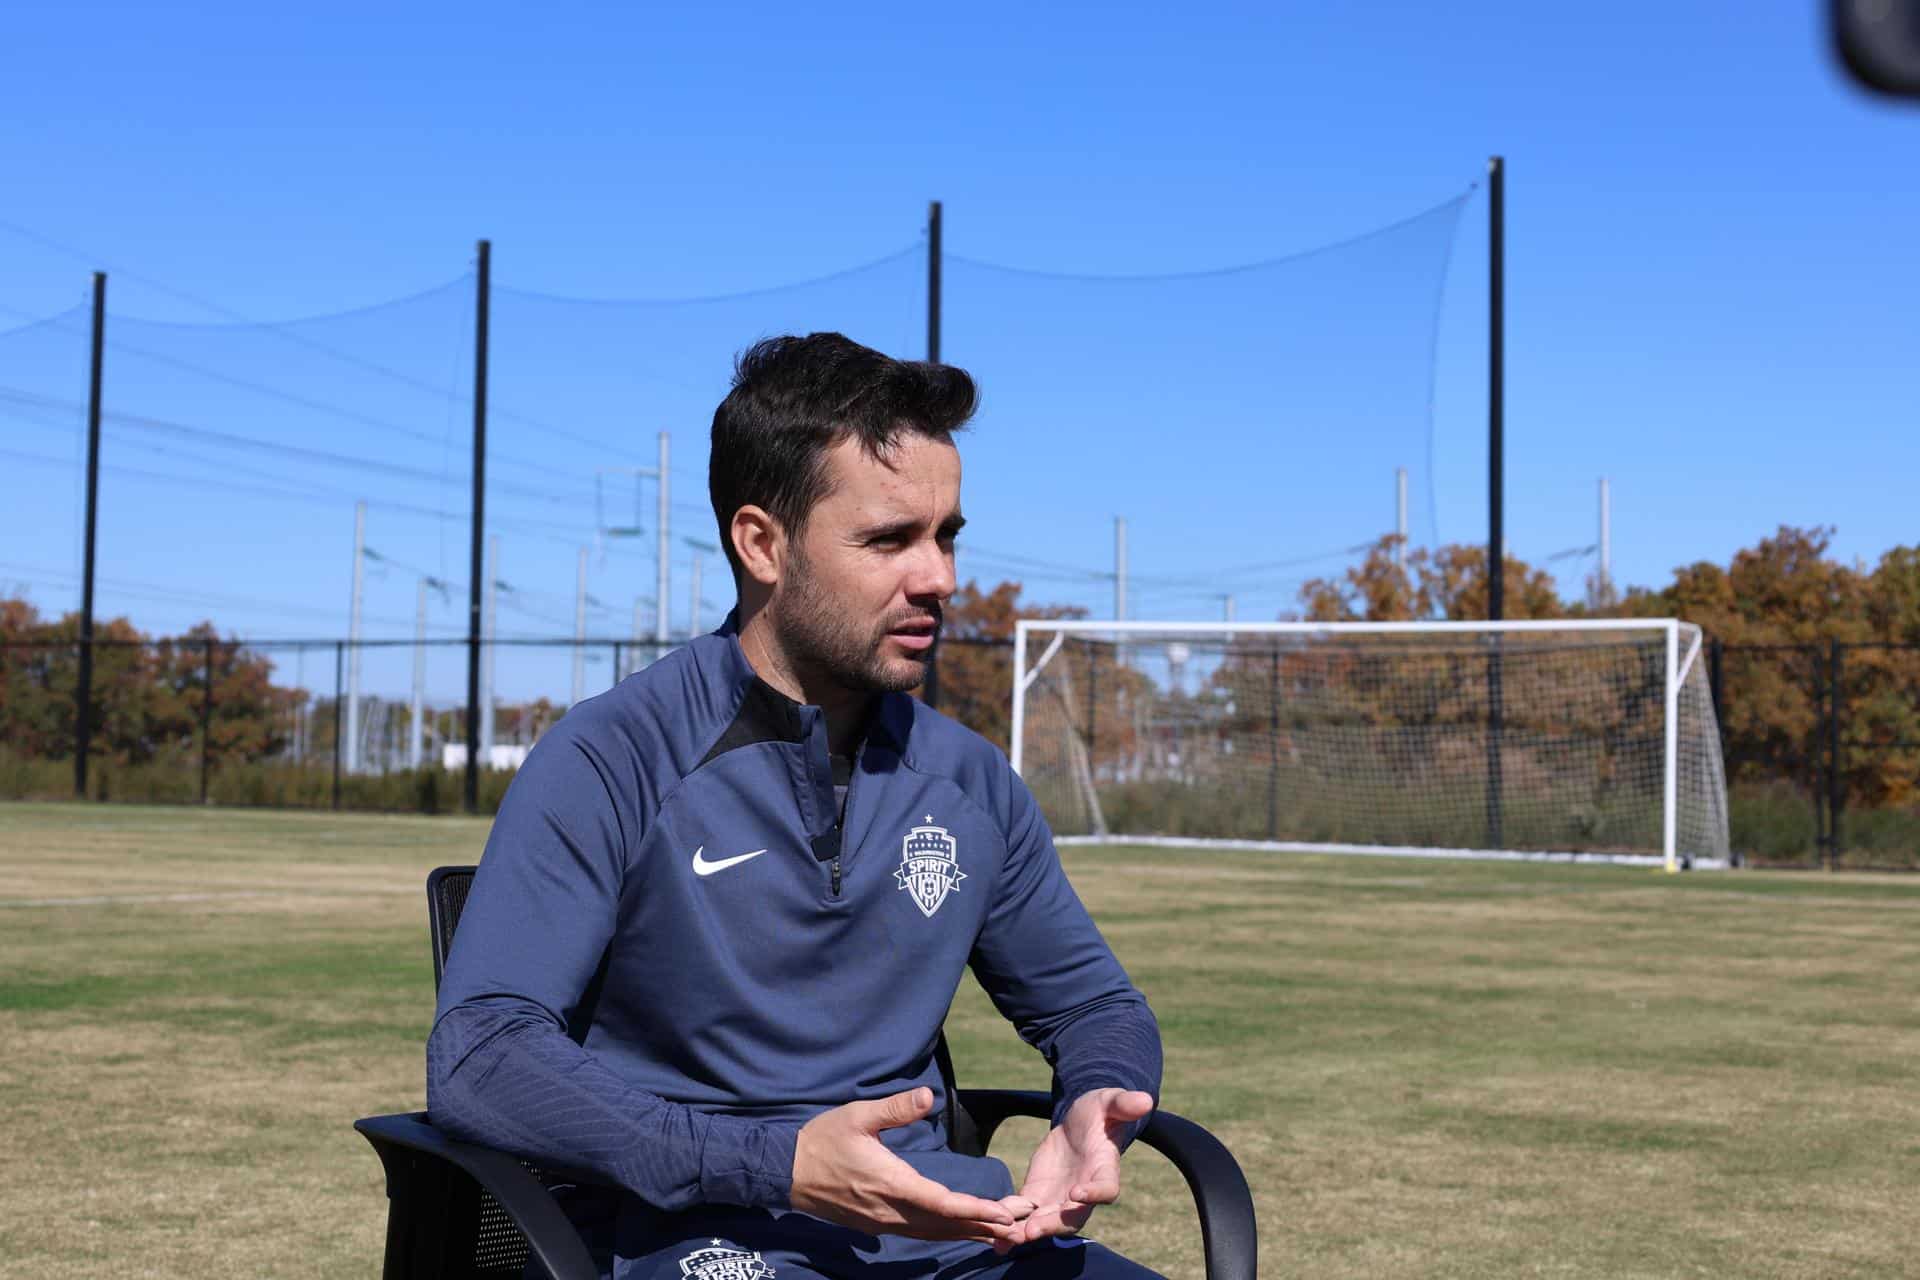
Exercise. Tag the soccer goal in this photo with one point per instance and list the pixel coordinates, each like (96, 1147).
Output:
(1589, 739)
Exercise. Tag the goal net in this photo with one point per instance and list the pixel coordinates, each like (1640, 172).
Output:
(1577, 739)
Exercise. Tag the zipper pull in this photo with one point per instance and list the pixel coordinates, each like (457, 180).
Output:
(826, 848)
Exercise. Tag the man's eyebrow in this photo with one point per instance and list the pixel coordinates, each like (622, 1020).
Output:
(900, 528)
(887, 529)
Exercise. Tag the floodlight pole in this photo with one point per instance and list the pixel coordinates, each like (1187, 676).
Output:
(1400, 518)
(1496, 388)
(693, 602)
(1496, 472)
(1606, 542)
(416, 732)
(83, 693)
(353, 636)
(933, 282)
(477, 573)
(580, 631)
(490, 629)
(662, 585)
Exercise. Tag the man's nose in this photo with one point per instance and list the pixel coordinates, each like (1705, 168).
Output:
(932, 574)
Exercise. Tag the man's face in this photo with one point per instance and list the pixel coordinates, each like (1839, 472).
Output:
(866, 580)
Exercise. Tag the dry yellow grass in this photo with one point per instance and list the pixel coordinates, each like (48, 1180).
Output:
(1426, 1069)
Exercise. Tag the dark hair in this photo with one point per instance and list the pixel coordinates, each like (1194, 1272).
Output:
(794, 398)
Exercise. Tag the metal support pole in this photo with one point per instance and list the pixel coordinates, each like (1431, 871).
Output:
(662, 587)
(1715, 675)
(1273, 748)
(491, 630)
(934, 254)
(1016, 754)
(339, 684)
(1093, 711)
(1400, 518)
(353, 636)
(693, 602)
(580, 631)
(1606, 542)
(931, 691)
(1496, 480)
(1496, 727)
(206, 722)
(1496, 388)
(477, 572)
(1670, 763)
(618, 656)
(83, 691)
(1836, 793)
(416, 730)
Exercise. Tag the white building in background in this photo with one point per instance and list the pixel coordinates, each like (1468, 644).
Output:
(501, 755)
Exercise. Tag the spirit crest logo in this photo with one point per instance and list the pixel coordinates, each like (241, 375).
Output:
(719, 1262)
(929, 866)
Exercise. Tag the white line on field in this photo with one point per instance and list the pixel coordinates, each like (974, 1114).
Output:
(1386, 850)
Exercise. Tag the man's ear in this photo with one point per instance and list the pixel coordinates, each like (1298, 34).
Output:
(760, 543)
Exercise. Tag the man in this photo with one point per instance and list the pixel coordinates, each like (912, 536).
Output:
(725, 905)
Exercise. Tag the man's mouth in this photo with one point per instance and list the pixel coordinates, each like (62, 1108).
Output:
(917, 633)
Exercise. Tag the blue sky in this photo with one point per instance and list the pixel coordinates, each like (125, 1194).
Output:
(1711, 283)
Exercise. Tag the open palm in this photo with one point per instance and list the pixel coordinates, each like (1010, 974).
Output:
(1077, 1165)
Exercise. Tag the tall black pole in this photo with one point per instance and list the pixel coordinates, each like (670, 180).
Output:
(933, 282)
(477, 560)
(83, 692)
(1496, 478)
(931, 691)
(1496, 387)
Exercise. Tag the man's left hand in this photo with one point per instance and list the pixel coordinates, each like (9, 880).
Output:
(1077, 1165)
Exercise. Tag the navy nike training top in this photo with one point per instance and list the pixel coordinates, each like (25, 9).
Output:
(677, 950)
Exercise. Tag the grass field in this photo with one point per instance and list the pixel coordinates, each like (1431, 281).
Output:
(1427, 1069)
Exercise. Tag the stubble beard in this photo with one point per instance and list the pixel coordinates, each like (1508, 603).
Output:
(815, 632)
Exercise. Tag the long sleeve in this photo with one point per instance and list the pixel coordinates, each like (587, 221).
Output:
(505, 1062)
(1052, 975)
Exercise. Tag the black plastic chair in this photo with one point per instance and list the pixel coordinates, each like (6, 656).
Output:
(458, 1211)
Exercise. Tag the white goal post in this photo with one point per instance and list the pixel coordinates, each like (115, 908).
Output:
(1549, 740)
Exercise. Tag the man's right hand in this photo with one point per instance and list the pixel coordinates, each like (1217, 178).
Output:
(843, 1173)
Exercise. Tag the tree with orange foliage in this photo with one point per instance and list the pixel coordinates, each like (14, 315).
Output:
(976, 655)
(1448, 584)
(149, 695)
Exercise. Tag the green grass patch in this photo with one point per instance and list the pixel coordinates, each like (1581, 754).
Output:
(1426, 1068)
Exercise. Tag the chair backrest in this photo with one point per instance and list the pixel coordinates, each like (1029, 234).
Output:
(447, 889)
(446, 898)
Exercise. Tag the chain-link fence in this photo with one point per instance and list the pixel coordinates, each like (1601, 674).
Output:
(1822, 742)
(288, 723)
(1822, 750)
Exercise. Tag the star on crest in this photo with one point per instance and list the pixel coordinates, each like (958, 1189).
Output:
(929, 817)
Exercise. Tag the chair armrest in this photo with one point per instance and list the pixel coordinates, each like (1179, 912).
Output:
(1228, 1230)
(417, 1158)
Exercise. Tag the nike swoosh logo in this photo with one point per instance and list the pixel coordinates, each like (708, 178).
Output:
(702, 867)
